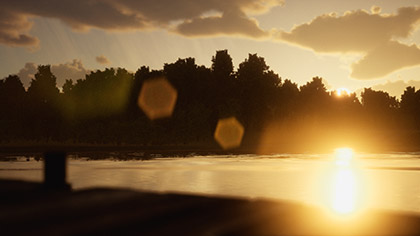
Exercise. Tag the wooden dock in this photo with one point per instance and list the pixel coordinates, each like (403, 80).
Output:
(30, 209)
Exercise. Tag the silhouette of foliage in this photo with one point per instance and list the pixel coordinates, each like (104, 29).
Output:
(102, 108)
(410, 107)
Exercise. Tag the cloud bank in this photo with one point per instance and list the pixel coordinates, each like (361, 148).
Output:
(185, 17)
(26, 74)
(395, 88)
(373, 35)
(70, 70)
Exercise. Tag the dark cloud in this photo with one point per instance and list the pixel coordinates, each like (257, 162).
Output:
(79, 14)
(373, 35)
(166, 11)
(13, 30)
(71, 70)
(189, 18)
(102, 60)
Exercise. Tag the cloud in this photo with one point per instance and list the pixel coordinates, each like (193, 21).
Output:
(71, 70)
(185, 17)
(396, 88)
(375, 9)
(102, 60)
(230, 23)
(78, 14)
(26, 74)
(386, 59)
(13, 30)
(372, 35)
(357, 31)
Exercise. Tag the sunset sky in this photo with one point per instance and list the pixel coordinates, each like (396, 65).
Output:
(351, 44)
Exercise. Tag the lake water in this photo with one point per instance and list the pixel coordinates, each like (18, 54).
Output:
(343, 184)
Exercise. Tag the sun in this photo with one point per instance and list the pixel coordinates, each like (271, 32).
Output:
(342, 91)
(343, 156)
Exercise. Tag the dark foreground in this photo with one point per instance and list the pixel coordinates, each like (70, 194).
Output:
(27, 209)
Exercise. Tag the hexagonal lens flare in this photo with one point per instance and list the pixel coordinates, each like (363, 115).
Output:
(229, 133)
(157, 98)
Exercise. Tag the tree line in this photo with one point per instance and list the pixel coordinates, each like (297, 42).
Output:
(276, 113)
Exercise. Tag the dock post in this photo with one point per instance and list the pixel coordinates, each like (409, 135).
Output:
(55, 168)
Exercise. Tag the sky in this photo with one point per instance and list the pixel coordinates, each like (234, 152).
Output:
(350, 44)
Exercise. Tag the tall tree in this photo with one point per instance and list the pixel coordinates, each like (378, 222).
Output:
(380, 108)
(410, 107)
(12, 105)
(12, 94)
(222, 66)
(378, 101)
(257, 87)
(314, 98)
(43, 100)
(43, 88)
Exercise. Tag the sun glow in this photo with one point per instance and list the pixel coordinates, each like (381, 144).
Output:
(344, 187)
(342, 91)
(344, 191)
(343, 157)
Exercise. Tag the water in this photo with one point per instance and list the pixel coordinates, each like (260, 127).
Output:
(386, 181)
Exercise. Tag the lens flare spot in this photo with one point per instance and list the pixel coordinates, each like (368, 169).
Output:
(157, 98)
(229, 133)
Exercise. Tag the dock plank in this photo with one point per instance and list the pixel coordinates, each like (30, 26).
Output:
(27, 209)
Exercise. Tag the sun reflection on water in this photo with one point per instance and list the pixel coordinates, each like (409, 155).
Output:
(344, 191)
(344, 185)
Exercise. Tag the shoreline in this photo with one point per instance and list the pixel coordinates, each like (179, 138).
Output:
(135, 152)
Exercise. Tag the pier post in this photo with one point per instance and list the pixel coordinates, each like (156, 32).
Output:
(55, 168)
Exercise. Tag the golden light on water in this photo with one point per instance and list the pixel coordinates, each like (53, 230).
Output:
(157, 98)
(344, 191)
(344, 186)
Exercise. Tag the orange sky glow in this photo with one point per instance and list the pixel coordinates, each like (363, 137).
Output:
(350, 44)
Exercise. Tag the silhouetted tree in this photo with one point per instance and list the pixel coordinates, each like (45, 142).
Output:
(314, 98)
(222, 66)
(12, 106)
(380, 108)
(68, 86)
(12, 95)
(410, 107)
(286, 100)
(43, 102)
(102, 107)
(224, 92)
(314, 89)
(103, 93)
(257, 90)
(410, 100)
(43, 89)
